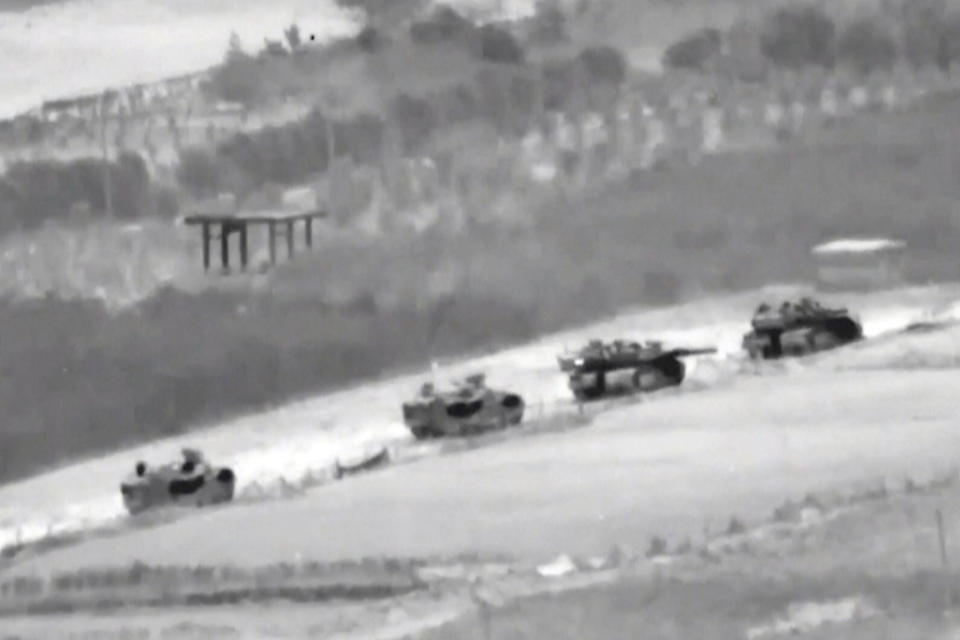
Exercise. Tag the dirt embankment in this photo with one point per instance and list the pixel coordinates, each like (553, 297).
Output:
(866, 562)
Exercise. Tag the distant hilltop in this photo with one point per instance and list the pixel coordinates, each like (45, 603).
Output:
(125, 43)
(134, 43)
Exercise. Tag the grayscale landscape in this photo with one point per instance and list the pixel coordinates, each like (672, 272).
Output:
(379, 319)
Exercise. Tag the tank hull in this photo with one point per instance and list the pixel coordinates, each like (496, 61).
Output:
(170, 486)
(774, 337)
(441, 417)
(647, 377)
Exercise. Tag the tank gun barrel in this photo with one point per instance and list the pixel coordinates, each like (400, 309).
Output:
(625, 360)
(699, 351)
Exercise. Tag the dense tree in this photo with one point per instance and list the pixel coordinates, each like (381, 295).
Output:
(694, 51)
(498, 45)
(604, 71)
(131, 185)
(948, 49)
(922, 28)
(604, 64)
(292, 35)
(444, 25)
(370, 39)
(867, 46)
(549, 24)
(414, 118)
(797, 36)
(34, 192)
(239, 78)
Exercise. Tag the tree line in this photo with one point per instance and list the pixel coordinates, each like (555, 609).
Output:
(921, 33)
(505, 91)
(33, 193)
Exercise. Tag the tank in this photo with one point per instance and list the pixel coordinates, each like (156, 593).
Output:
(621, 367)
(190, 482)
(470, 407)
(799, 328)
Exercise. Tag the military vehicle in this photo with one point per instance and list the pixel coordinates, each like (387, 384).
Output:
(623, 367)
(469, 408)
(797, 329)
(190, 482)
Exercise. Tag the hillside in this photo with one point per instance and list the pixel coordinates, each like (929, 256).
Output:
(745, 482)
(527, 258)
(336, 317)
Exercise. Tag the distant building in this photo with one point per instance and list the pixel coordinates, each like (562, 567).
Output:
(859, 263)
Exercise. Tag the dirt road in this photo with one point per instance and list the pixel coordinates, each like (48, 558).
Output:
(307, 436)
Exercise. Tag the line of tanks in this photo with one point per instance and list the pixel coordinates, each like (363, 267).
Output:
(597, 370)
(604, 369)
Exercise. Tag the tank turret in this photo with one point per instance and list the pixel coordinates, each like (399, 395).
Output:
(799, 328)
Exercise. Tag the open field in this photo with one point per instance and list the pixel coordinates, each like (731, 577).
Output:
(851, 560)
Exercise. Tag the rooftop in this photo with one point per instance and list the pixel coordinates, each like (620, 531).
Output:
(857, 245)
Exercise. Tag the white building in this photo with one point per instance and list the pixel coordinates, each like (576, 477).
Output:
(859, 263)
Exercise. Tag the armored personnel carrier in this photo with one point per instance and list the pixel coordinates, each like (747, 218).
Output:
(190, 482)
(620, 367)
(797, 329)
(469, 408)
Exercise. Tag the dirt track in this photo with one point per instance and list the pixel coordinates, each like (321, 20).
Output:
(306, 436)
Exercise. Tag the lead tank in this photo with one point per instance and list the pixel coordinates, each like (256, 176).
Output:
(799, 328)
(622, 367)
(470, 407)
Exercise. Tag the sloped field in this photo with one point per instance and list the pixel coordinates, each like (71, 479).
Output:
(723, 441)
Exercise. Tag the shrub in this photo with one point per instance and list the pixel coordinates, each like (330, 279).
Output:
(867, 46)
(445, 25)
(604, 64)
(694, 51)
(273, 49)
(166, 201)
(948, 50)
(11, 206)
(798, 36)
(415, 118)
(658, 547)
(238, 79)
(292, 36)
(131, 187)
(457, 103)
(362, 138)
(33, 193)
(498, 45)
(369, 39)
(922, 30)
(559, 78)
(198, 172)
(549, 24)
